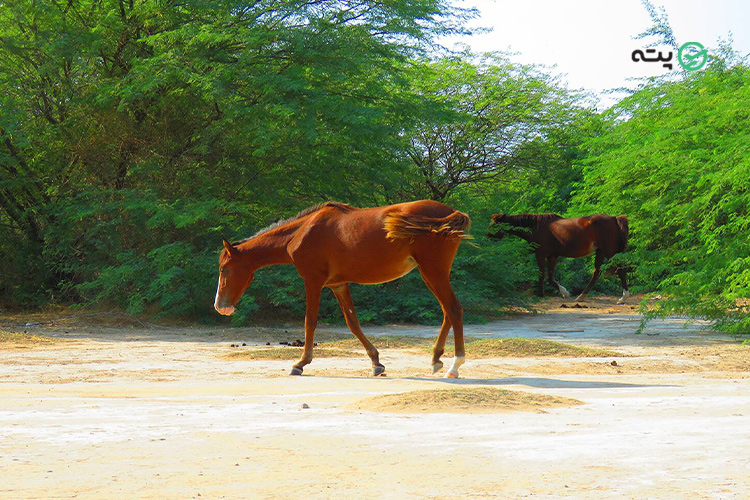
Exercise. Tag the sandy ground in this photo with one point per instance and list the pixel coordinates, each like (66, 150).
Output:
(152, 412)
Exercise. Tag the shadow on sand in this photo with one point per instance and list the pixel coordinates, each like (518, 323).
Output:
(546, 383)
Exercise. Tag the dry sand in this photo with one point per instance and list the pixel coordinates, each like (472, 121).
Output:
(94, 411)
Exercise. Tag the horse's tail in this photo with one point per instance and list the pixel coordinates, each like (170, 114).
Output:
(455, 225)
(622, 223)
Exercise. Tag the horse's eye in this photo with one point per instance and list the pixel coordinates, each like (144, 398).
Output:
(221, 270)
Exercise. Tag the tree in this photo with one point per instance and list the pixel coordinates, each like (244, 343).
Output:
(134, 135)
(488, 113)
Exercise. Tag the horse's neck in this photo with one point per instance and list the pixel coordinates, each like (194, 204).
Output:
(523, 220)
(526, 235)
(269, 248)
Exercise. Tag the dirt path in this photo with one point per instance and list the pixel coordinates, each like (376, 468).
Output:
(124, 413)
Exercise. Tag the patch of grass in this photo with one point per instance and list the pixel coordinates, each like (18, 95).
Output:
(22, 339)
(381, 343)
(528, 348)
(477, 349)
(286, 353)
(463, 400)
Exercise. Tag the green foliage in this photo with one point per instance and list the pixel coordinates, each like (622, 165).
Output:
(484, 119)
(674, 157)
(134, 136)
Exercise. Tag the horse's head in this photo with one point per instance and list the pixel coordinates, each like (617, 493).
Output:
(234, 279)
(497, 219)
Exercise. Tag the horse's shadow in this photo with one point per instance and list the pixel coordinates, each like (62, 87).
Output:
(545, 383)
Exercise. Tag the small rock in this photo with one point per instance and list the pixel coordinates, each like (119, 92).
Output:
(613, 363)
(304, 406)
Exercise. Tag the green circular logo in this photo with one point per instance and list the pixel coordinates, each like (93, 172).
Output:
(692, 56)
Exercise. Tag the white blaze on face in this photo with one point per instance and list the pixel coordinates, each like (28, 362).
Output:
(224, 310)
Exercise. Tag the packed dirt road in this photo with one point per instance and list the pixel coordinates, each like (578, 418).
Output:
(128, 412)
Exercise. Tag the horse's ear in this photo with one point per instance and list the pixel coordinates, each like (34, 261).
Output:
(229, 248)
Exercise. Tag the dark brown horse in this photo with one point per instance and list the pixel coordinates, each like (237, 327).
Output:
(334, 244)
(553, 236)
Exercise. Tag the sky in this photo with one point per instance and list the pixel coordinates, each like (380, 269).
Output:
(590, 42)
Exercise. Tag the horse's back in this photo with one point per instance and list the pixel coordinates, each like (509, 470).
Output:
(425, 208)
(355, 245)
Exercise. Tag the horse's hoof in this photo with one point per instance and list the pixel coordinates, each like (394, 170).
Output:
(437, 367)
(378, 370)
(451, 375)
(296, 371)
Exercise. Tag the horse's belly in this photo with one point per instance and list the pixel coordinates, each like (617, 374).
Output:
(582, 250)
(396, 273)
(367, 273)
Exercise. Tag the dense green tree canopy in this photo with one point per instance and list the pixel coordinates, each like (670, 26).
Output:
(135, 135)
(490, 112)
(675, 157)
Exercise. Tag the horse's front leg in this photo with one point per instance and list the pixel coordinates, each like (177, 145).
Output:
(344, 296)
(312, 297)
(551, 263)
(540, 261)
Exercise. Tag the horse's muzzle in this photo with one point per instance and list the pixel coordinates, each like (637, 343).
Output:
(226, 311)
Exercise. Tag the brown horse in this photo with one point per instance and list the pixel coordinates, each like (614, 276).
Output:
(334, 244)
(553, 236)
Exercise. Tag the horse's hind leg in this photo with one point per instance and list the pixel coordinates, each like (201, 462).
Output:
(598, 261)
(439, 348)
(622, 272)
(551, 262)
(437, 281)
(344, 296)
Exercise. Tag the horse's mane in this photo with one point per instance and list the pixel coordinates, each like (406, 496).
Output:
(308, 211)
(530, 220)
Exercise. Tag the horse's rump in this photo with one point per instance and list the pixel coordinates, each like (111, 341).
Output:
(622, 223)
(399, 225)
